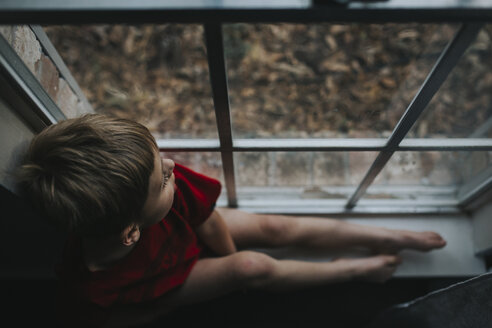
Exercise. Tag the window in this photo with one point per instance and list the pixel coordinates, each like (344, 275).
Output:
(318, 122)
(326, 80)
(398, 134)
(350, 114)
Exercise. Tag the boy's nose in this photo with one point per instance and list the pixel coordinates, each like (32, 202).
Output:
(169, 164)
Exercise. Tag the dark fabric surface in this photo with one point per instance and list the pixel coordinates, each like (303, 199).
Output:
(466, 304)
(30, 246)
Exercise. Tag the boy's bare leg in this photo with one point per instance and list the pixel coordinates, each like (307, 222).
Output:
(257, 230)
(214, 277)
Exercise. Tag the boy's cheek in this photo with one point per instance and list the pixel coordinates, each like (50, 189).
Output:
(174, 182)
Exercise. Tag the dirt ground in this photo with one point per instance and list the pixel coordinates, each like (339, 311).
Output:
(285, 80)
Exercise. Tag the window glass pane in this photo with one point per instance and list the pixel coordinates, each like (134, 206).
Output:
(308, 174)
(207, 163)
(417, 174)
(462, 107)
(325, 80)
(154, 74)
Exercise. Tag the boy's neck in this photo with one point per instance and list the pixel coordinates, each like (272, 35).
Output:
(102, 254)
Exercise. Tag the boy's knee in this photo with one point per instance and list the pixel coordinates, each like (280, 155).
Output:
(277, 228)
(253, 269)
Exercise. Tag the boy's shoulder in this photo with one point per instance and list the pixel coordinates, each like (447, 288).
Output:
(192, 183)
(196, 194)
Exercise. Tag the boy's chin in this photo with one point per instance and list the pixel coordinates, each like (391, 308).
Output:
(165, 214)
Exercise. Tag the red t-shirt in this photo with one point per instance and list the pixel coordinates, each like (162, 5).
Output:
(161, 260)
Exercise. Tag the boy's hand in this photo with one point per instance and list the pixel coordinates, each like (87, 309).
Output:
(215, 234)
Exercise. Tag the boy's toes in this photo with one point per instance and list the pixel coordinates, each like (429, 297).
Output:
(433, 240)
(422, 241)
(379, 268)
(395, 260)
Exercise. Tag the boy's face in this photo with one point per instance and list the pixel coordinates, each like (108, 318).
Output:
(161, 191)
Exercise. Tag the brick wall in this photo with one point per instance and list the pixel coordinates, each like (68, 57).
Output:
(24, 42)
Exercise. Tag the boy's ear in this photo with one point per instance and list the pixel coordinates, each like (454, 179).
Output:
(130, 235)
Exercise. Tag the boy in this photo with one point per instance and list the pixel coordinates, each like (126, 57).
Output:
(140, 227)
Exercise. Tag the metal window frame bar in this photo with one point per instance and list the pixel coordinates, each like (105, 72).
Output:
(220, 94)
(50, 50)
(330, 145)
(483, 129)
(474, 188)
(445, 144)
(480, 185)
(287, 200)
(329, 208)
(195, 11)
(39, 110)
(446, 62)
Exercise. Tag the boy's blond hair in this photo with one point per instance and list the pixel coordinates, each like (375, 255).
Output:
(90, 174)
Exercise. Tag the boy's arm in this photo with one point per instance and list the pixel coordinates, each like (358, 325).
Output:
(215, 234)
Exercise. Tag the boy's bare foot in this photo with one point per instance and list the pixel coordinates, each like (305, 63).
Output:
(377, 269)
(397, 240)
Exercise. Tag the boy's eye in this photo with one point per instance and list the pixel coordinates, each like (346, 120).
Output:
(165, 177)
